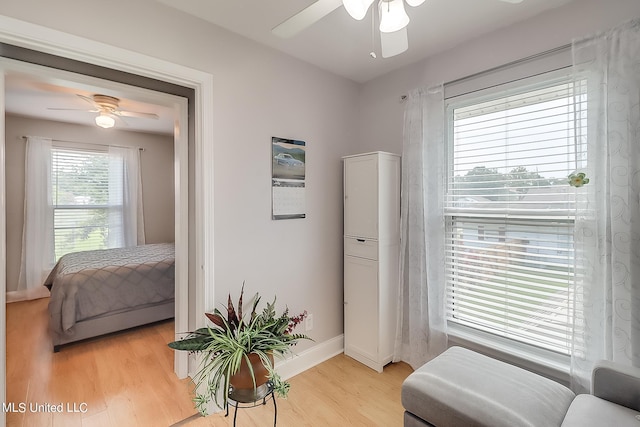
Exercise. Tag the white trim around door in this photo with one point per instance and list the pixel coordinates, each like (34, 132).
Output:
(42, 39)
(3, 255)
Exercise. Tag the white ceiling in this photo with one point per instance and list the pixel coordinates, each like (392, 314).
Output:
(37, 95)
(340, 44)
(337, 43)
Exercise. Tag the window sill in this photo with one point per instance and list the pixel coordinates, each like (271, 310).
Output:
(543, 362)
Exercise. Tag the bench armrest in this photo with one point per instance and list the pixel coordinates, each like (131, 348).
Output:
(616, 383)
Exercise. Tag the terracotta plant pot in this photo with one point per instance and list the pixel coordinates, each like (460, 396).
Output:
(241, 384)
(242, 379)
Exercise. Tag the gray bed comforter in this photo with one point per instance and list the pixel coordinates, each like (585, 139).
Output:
(93, 283)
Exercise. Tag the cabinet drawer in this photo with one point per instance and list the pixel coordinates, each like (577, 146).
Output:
(363, 248)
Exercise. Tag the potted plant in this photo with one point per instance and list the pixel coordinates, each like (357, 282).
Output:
(238, 352)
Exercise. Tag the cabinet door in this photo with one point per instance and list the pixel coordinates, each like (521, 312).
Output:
(361, 196)
(361, 307)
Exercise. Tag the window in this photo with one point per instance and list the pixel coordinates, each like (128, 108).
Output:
(87, 211)
(510, 212)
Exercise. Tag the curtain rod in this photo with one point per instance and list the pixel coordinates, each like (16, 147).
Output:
(89, 143)
(511, 64)
(503, 66)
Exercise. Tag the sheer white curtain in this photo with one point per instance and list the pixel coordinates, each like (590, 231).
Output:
(126, 217)
(37, 235)
(607, 297)
(421, 304)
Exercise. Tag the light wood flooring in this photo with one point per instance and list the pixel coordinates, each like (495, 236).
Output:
(127, 379)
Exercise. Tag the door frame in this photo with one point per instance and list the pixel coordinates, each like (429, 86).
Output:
(46, 40)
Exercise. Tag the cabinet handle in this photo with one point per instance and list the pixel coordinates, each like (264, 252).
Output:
(361, 240)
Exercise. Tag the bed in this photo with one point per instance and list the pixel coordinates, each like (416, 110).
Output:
(98, 292)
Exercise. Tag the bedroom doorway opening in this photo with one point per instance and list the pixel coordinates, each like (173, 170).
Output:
(44, 42)
(180, 133)
(45, 82)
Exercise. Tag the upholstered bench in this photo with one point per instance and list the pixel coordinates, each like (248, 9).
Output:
(463, 388)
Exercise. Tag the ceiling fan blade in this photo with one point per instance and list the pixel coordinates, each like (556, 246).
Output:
(395, 43)
(121, 121)
(124, 113)
(512, 1)
(306, 17)
(89, 100)
(73, 109)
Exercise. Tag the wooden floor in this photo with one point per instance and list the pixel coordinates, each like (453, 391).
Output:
(127, 379)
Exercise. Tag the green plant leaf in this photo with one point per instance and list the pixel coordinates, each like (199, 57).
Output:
(224, 347)
(194, 341)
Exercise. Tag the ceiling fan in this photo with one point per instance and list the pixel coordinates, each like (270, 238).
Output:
(392, 16)
(108, 109)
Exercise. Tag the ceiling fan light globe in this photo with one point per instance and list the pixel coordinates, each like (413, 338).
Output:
(357, 8)
(393, 17)
(392, 44)
(105, 121)
(415, 3)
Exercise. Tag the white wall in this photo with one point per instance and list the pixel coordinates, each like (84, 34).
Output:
(380, 111)
(259, 93)
(156, 170)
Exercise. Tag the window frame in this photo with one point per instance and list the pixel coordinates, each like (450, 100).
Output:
(553, 363)
(89, 149)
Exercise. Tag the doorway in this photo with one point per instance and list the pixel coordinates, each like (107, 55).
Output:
(43, 86)
(196, 297)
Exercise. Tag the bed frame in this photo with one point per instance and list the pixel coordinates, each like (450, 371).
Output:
(115, 322)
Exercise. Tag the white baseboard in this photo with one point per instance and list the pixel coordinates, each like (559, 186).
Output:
(28, 294)
(311, 357)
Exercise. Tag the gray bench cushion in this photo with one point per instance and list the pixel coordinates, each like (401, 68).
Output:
(411, 420)
(461, 387)
(588, 410)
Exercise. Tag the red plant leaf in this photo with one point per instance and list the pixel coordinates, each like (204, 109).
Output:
(240, 304)
(231, 314)
(216, 319)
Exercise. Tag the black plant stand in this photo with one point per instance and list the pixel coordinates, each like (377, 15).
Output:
(251, 399)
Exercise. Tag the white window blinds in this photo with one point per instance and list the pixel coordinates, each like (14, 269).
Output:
(510, 211)
(80, 181)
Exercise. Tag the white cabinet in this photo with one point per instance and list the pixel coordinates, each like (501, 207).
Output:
(361, 339)
(371, 256)
(361, 197)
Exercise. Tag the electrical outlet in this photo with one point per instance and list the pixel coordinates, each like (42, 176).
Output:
(309, 322)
